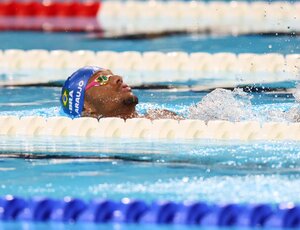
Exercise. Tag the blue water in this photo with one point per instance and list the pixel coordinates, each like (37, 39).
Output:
(44, 101)
(186, 43)
(213, 171)
(157, 169)
(190, 170)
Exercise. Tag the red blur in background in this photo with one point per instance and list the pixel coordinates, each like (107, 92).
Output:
(49, 9)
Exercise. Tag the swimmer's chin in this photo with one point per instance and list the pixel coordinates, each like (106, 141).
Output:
(131, 100)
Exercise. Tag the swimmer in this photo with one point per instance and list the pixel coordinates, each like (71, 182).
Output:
(97, 92)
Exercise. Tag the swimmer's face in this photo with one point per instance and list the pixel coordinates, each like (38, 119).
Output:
(112, 99)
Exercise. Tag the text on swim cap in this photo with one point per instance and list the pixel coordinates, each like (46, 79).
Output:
(78, 95)
(70, 100)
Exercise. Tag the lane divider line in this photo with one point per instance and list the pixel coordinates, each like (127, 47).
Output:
(147, 129)
(129, 211)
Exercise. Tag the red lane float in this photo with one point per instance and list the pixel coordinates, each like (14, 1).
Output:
(52, 24)
(51, 9)
(49, 16)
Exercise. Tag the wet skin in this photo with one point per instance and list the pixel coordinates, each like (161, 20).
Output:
(115, 99)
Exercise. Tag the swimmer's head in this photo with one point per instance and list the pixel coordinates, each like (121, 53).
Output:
(97, 92)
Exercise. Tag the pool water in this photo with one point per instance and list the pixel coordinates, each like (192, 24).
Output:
(177, 170)
(236, 106)
(148, 169)
(193, 170)
(187, 43)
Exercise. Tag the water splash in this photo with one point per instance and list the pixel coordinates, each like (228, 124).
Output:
(293, 115)
(296, 94)
(290, 115)
(222, 104)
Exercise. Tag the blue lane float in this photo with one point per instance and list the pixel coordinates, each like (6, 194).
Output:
(70, 210)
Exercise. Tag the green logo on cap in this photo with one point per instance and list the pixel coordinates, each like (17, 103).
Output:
(65, 98)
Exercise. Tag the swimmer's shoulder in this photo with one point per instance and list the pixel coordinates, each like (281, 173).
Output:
(151, 114)
(154, 114)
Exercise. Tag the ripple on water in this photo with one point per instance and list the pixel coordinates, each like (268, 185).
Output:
(224, 189)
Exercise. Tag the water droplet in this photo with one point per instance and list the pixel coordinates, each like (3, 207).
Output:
(185, 179)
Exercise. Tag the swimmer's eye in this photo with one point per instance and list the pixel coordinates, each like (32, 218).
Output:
(102, 80)
(99, 81)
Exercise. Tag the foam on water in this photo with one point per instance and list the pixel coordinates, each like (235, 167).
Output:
(222, 104)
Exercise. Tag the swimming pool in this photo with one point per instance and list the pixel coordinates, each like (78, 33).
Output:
(147, 169)
(213, 171)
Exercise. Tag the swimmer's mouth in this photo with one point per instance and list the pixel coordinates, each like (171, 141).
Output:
(125, 88)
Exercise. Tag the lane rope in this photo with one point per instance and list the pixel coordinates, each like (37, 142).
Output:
(126, 211)
(50, 15)
(132, 17)
(146, 129)
(216, 16)
(49, 8)
(149, 67)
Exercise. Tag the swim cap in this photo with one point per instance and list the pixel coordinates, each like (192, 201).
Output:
(72, 94)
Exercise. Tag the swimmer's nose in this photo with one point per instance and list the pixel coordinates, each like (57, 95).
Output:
(116, 80)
